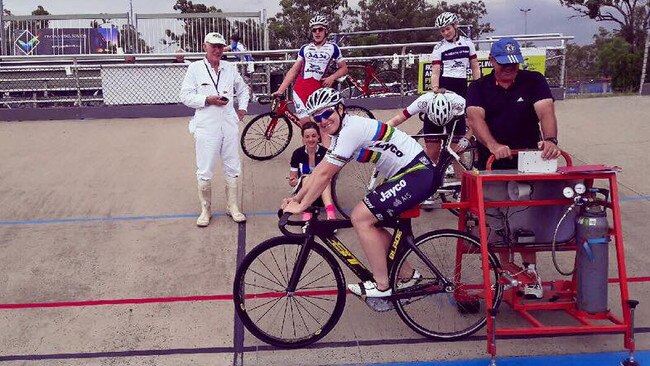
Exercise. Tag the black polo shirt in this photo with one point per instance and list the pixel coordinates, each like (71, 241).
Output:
(509, 113)
(300, 159)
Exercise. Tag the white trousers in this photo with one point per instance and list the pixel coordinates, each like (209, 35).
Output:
(217, 143)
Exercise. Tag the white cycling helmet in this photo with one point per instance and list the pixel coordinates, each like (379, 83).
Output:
(439, 111)
(323, 98)
(446, 19)
(318, 20)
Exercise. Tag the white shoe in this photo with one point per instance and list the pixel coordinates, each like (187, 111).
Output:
(205, 196)
(414, 280)
(368, 289)
(232, 209)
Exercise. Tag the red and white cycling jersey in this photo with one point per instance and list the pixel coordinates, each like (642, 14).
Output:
(315, 62)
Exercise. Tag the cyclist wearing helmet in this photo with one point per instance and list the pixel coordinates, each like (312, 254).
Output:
(310, 66)
(452, 56)
(413, 178)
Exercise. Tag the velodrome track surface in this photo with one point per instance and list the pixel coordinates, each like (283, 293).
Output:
(102, 263)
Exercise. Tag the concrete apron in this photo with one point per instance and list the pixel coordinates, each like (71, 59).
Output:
(104, 210)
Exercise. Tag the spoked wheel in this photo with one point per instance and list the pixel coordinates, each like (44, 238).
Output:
(351, 184)
(266, 136)
(355, 110)
(388, 82)
(280, 319)
(446, 315)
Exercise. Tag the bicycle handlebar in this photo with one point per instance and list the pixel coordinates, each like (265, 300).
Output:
(491, 159)
(284, 221)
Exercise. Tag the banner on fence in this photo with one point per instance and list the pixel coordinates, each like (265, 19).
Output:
(66, 41)
(535, 60)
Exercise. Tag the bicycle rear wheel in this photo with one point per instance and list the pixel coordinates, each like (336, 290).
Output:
(447, 315)
(266, 136)
(355, 110)
(351, 184)
(280, 319)
(388, 82)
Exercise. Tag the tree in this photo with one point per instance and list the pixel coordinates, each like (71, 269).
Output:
(617, 60)
(630, 15)
(396, 14)
(194, 29)
(290, 27)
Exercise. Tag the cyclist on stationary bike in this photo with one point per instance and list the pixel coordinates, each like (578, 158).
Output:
(309, 69)
(413, 178)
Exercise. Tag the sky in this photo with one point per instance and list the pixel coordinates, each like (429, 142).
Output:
(545, 16)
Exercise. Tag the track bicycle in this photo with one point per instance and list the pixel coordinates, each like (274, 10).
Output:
(290, 291)
(363, 81)
(356, 180)
(268, 134)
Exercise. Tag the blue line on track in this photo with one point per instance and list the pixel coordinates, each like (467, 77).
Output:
(589, 359)
(182, 216)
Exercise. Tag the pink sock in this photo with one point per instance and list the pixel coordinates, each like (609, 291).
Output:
(306, 216)
(331, 212)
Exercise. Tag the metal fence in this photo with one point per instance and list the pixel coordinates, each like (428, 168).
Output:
(89, 80)
(81, 34)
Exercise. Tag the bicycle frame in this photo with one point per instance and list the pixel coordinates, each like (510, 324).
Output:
(324, 230)
(370, 75)
(280, 108)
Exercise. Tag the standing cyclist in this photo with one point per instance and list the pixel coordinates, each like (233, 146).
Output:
(452, 57)
(413, 178)
(313, 60)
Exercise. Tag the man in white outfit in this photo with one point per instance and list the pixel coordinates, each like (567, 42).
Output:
(210, 85)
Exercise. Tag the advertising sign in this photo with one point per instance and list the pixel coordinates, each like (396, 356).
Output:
(66, 41)
(535, 60)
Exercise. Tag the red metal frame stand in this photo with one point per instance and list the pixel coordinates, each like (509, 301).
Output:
(563, 291)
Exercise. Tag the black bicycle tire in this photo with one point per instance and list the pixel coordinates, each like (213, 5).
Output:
(283, 144)
(359, 108)
(454, 335)
(240, 303)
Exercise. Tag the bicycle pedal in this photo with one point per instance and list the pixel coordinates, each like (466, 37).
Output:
(378, 304)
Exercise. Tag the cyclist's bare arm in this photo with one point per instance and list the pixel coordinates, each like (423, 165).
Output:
(397, 120)
(289, 77)
(312, 188)
(476, 121)
(476, 69)
(341, 71)
(435, 77)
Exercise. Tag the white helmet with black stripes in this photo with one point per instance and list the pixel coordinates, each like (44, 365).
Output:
(440, 110)
(323, 98)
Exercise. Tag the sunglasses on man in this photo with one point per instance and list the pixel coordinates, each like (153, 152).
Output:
(324, 115)
(318, 30)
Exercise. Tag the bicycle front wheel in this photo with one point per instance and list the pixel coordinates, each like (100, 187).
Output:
(282, 319)
(447, 315)
(355, 110)
(266, 136)
(351, 184)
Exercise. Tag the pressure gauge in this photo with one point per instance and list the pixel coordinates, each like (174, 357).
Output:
(568, 192)
(580, 188)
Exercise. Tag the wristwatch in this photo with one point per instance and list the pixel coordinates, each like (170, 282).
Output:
(551, 139)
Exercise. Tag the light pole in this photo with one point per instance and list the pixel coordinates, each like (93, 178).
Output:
(525, 11)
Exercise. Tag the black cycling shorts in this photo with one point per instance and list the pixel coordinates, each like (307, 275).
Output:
(411, 185)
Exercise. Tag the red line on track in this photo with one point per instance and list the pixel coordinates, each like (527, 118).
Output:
(154, 300)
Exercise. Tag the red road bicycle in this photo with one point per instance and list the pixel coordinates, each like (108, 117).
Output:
(268, 134)
(363, 81)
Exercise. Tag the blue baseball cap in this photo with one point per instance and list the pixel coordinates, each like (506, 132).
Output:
(506, 51)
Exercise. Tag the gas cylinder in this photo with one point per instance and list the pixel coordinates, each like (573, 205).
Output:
(592, 263)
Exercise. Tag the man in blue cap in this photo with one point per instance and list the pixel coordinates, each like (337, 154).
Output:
(512, 109)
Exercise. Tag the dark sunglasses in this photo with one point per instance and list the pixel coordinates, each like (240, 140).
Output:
(324, 115)
(316, 30)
